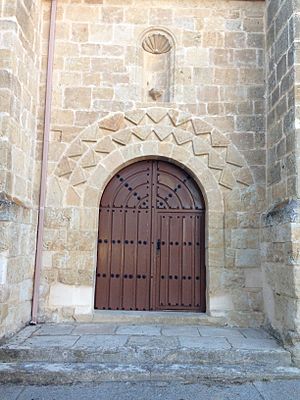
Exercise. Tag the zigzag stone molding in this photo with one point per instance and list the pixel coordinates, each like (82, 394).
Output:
(121, 129)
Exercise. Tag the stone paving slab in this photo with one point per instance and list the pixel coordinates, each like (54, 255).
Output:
(253, 333)
(223, 332)
(144, 330)
(180, 331)
(101, 341)
(94, 329)
(281, 390)
(208, 343)
(54, 329)
(153, 341)
(65, 341)
(156, 390)
(253, 344)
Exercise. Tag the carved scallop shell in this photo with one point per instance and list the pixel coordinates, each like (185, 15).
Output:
(156, 43)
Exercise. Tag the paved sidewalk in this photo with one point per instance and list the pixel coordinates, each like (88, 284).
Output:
(285, 390)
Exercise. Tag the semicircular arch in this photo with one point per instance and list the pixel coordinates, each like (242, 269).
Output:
(190, 134)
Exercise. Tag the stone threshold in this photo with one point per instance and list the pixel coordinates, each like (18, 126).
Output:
(153, 317)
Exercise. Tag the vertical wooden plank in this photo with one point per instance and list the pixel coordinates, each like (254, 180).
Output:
(174, 261)
(103, 259)
(129, 275)
(187, 284)
(154, 237)
(163, 260)
(201, 246)
(197, 261)
(117, 257)
(143, 261)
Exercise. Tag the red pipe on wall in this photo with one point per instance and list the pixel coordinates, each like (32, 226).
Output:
(44, 166)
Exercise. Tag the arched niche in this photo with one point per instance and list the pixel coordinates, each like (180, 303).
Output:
(158, 54)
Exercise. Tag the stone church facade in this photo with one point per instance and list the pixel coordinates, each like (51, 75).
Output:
(209, 86)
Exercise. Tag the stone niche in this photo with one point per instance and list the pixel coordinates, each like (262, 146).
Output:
(158, 51)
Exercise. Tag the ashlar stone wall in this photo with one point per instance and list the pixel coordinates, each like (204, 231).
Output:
(19, 76)
(280, 222)
(213, 127)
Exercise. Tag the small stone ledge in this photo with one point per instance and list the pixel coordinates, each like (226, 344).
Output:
(10, 208)
(285, 212)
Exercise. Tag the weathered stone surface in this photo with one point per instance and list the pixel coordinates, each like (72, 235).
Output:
(234, 157)
(285, 212)
(182, 136)
(113, 123)
(166, 390)
(122, 137)
(201, 126)
(76, 149)
(227, 179)
(157, 114)
(135, 116)
(201, 146)
(142, 132)
(179, 118)
(105, 145)
(204, 343)
(90, 134)
(215, 161)
(162, 132)
(88, 160)
(218, 139)
(78, 177)
(244, 176)
(65, 167)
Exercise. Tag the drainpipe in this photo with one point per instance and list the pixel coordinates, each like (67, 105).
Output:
(44, 166)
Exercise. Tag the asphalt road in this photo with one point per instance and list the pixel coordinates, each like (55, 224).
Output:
(278, 390)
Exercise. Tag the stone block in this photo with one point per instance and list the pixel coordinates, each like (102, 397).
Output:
(3, 269)
(197, 57)
(80, 13)
(139, 16)
(78, 98)
(235, 40)
(111, 15)
(247, 258)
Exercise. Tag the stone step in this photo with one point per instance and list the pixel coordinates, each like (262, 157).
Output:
(147, 355)
(97, 352)
(158, 318)
(64, 373)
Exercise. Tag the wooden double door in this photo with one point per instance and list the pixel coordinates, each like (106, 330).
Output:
(151, 242)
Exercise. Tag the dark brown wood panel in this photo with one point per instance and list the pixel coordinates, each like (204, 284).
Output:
(151, 240)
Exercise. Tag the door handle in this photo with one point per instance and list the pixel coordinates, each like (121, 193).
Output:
(158, 245)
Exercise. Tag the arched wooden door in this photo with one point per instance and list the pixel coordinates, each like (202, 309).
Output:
(151, 241)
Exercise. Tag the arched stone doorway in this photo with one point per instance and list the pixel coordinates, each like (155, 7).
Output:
(88, 163)
(151, 246)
